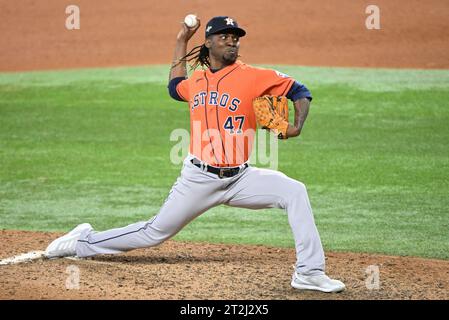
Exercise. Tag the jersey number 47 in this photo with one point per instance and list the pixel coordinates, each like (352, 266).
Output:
(234, 124)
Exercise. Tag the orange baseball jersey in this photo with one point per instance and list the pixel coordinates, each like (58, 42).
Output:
(222, 120)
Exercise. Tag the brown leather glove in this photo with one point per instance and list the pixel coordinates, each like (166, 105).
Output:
(272, 113)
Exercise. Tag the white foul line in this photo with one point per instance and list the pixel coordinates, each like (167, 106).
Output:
(40, 255)
(25, 257)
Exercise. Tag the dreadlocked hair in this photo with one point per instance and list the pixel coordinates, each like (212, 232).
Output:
(198, 56)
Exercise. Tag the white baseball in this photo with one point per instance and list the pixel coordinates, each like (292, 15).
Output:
(190, 20)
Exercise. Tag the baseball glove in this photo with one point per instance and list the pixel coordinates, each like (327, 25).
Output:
(272, 113)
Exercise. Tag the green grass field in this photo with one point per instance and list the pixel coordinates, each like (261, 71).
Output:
(93, 146)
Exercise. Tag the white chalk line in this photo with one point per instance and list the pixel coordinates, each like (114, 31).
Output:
(23, 258)
(40, 255)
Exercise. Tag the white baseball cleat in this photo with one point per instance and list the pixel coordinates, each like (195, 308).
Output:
(319, 282)
(65, 246)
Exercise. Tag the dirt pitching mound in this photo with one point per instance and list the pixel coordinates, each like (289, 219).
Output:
(177, 270)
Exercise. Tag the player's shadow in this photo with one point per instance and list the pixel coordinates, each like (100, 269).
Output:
(165, 259)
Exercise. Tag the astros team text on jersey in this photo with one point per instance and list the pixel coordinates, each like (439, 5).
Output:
(222, 120)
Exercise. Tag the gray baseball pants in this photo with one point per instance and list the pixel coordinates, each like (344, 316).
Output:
(196, 191)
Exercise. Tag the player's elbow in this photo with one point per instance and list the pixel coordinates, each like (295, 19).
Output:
(172, 88)
(173, 93)
(293, 131)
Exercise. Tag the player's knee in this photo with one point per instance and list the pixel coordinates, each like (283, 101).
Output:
(298, 191)
(155, 235)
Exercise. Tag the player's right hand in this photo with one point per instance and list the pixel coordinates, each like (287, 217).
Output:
(186, 33)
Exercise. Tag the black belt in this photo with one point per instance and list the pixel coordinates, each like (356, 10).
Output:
(220, 172)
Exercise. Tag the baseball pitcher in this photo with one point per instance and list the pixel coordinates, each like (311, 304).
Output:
(227, 99)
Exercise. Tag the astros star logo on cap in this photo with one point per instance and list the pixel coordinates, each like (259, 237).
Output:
(229, 21)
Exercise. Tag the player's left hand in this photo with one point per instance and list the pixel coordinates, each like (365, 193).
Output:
(272, 113)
